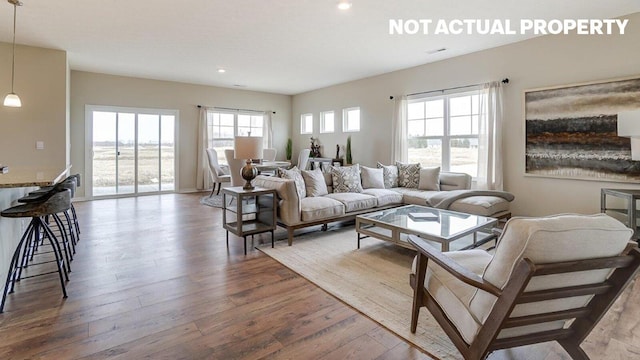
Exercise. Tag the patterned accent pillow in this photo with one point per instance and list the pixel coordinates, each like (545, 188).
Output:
(295, 175)
(408, 175)
(346, 179)
(390, 174)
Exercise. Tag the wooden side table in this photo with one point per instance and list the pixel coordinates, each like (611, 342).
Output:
(631, 196)
(249, 212)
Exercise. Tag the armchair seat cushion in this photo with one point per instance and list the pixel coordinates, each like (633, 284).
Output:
(320, 207)
(453, 295)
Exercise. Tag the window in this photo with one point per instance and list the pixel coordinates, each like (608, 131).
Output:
(223, 126)
(443, 131)
(351, 119)
(327, 122)
(306, 124)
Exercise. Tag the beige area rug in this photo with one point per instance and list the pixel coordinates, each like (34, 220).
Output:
(374, 280)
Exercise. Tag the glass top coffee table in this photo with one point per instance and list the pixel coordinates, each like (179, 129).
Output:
(442, 226)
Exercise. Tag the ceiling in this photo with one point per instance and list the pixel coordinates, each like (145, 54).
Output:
(279, 46)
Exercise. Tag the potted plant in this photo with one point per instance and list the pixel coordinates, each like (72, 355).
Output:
(348, 150)
(289, 150)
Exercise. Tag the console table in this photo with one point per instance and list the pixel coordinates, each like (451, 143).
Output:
(631, 196)
(254, 212)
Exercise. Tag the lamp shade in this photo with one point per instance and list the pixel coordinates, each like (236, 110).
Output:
(12, 100)
(248, 147)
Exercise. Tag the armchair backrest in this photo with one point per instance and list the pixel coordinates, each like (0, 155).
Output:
(235, 167)
(269, 154)
(548, 240)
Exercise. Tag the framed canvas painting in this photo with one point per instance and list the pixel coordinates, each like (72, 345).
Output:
(571, 131)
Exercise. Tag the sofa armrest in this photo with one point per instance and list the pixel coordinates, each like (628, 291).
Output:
(289, 207)
(454, 181)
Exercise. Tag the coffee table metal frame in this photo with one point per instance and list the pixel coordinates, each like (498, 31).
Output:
(367, 223)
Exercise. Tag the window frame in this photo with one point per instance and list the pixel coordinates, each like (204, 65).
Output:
(323, 115)
(210, 126)
(302, 124)
(345, 119)
(446, 137)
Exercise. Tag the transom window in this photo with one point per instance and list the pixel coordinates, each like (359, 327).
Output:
(351, 119)
(443, 131)
(306, 124)
(327, 122)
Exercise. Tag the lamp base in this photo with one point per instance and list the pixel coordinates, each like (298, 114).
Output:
(248, 172)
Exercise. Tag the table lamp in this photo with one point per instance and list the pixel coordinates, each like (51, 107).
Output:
(629, 126)
(248, 147)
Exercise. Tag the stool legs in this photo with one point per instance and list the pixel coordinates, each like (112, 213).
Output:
(29, 239)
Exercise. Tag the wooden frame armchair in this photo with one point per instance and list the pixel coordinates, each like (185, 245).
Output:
(545, 273)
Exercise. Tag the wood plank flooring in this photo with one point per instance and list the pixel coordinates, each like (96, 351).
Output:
(153, 279)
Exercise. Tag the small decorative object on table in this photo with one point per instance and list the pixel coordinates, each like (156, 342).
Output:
(315, 148)
(348, 155)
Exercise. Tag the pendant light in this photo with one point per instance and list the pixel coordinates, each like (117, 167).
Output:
(12, 99)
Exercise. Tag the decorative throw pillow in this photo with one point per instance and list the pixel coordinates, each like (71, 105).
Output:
(429, 179)
(372, 178)
(390, 175)
(346, 179)
(295, 175)
(408, 174)
(314, 182)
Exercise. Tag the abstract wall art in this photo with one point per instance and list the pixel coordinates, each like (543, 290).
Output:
(571, 131)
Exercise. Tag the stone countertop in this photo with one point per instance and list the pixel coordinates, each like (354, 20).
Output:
(28, 176)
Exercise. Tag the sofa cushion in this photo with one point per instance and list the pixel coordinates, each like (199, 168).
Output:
(295, 175)
(354, 201)
(415, 196)
(480, 205)
(408, 175)
(390, 175)
(384, 196)
(454, 181)
(346, 179)
(429, 179)
(453, 295)
(314, 182)
(320, 207)
(372, 178)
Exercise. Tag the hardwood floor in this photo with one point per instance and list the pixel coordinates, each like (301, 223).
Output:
(153, 279)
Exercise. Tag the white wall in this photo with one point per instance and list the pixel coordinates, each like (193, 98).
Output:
(40, 82)
(540, 62)
(100, 89)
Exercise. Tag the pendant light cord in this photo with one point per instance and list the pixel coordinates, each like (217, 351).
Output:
(13, 59)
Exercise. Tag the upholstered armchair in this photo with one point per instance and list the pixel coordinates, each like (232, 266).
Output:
(551, 279)
(303, 159)
(235, 166)
(269, 154)
(219, 174)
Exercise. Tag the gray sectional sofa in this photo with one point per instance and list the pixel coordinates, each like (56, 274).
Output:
(295, 212)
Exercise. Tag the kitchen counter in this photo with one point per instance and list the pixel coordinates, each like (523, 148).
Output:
(28, 177)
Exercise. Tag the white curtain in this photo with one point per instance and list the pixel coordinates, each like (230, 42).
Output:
(267, 131)
(490, 139)
(203, 179)
(399, 150)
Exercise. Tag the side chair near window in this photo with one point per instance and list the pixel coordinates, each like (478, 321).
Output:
(303, 159)
(218, 175)
(551, 279)
(269, 154)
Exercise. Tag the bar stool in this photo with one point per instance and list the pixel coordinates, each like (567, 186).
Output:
(67, 234)
(55, 201)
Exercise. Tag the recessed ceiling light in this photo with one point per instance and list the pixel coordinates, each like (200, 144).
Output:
(221, 70)
(344, 5)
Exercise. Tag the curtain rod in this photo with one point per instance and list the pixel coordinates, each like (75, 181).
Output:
(504, 81)
(224, 108)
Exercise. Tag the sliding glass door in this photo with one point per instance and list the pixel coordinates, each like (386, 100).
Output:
(132, 150)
